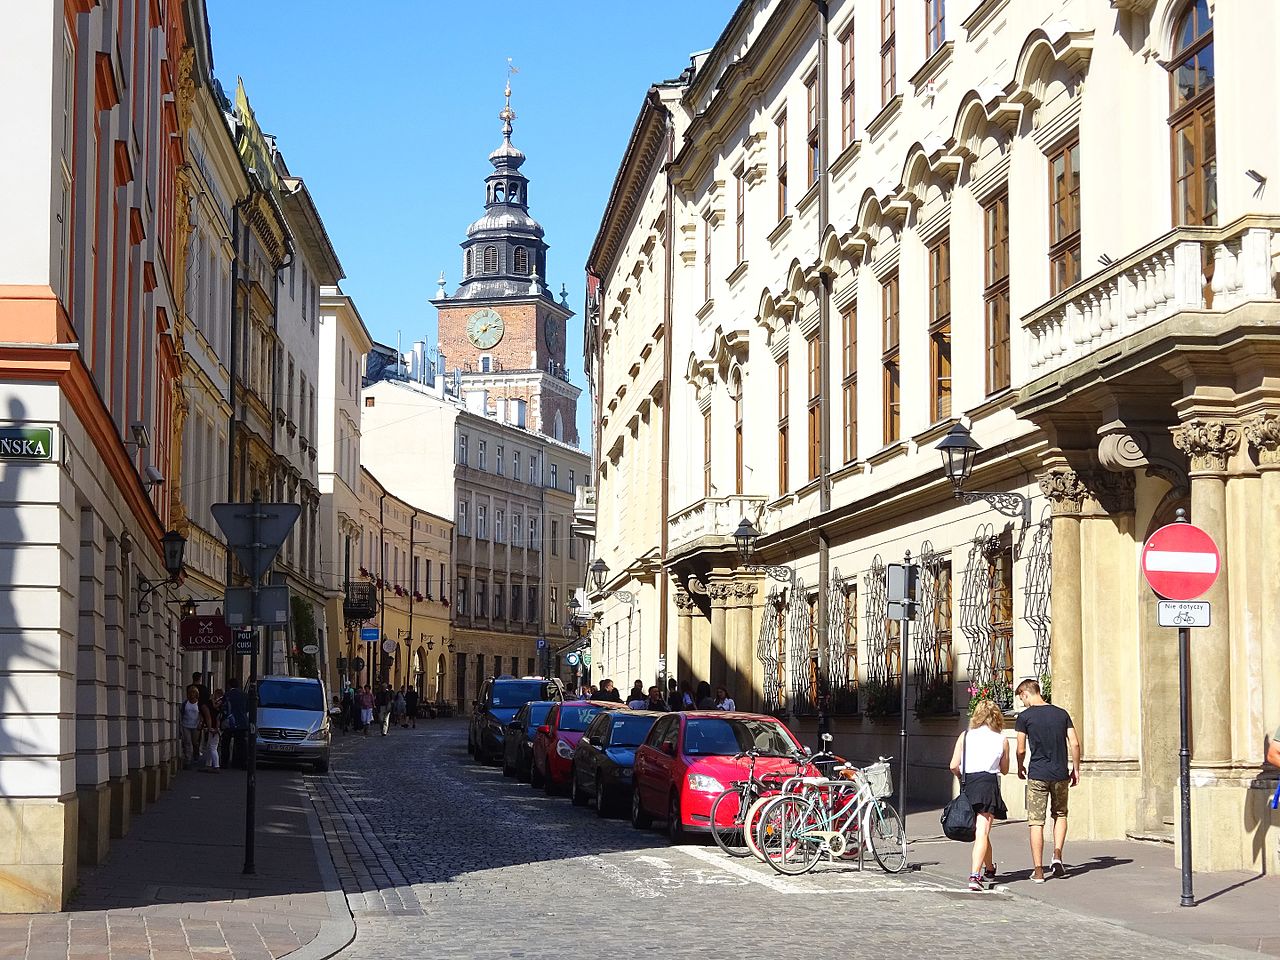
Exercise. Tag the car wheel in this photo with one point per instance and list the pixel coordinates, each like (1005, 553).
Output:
(535, 778)
(602, 799)
(576, 796)
(675, 830)
(640, 819)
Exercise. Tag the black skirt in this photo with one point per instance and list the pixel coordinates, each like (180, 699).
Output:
(983, 791)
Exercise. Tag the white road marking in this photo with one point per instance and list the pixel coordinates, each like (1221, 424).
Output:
(871, 883)
(637, 887)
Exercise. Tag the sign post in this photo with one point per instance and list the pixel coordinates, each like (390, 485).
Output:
(254, 532)
(1181, 562)
(901, 585)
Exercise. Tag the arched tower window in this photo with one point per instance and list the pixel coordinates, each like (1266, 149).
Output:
(1191, 118)
(522, 260)
(513, 192)
(466, 263)
(557, 427)
(490, 259)
(499, 193)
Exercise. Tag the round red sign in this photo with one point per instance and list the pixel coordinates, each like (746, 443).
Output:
(1180, 561)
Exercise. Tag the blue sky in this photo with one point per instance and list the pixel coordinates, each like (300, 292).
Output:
(388, 109)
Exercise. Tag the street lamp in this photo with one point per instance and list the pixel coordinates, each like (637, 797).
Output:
(958, 449)
(188, 608)
(599, 571)
(746, 536)
(173, 545)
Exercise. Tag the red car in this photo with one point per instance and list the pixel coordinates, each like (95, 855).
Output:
(554, 743)
(687, 760)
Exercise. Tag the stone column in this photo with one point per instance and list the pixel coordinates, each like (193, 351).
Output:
(684, 637)
(116, 646)
(1066, 491)
(1263, 434)
(720, 597)
(1208, 443)
(91, 695)
(743, 690)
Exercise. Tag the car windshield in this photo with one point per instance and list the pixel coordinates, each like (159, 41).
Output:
(511, 694)
(630, 731)
(575, 719)
(723, 737)
(290, 696)
(538, 712)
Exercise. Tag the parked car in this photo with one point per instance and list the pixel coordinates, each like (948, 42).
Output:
(517, 749)
(604, 757)
(500, 698)
(556, 738)
(687, 760)
(293, 721)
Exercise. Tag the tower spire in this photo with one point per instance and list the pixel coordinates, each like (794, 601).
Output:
(507, 114)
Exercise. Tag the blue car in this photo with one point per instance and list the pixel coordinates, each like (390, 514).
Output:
(517, 747)
(605, 756)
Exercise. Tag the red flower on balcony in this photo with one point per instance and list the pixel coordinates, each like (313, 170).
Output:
(417, 597)
(364, 571)
(445, 601)
(399, 590)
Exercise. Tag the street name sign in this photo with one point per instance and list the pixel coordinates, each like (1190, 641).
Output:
(369, 633)
(273, 520)
(26, 443)
(1180, 561)
(1183, 613)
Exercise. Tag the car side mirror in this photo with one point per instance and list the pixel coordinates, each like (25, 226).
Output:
(544, 729)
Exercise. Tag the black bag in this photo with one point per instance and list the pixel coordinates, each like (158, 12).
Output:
(959, 822)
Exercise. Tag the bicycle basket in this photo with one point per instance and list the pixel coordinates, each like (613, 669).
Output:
(879, 779)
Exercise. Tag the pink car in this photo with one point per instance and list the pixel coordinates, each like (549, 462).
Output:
(556, 739)
(688, 760)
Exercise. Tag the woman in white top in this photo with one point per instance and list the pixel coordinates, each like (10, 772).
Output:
(980, 756)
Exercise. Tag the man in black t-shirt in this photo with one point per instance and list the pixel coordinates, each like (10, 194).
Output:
(1049, 732)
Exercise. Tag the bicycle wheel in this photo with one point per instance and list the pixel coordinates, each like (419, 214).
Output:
(728, 815)
(752, 820)
(784, 838)
(888, 837)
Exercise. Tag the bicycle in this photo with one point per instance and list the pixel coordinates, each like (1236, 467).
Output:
(729, 821)
(796, 830)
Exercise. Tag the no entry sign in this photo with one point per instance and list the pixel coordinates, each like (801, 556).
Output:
(1180, 561)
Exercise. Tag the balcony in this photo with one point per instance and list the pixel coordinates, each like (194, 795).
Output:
(1210, 269)
(584, 512)
(711, 522)
(360, 602)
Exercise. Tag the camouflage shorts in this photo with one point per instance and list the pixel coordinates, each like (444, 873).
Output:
(1039, 795)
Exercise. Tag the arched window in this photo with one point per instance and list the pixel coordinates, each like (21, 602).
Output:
(499, 193)
(466, 263)
(490, 259)
(1191, 118)
(513, 192)
(735, 387)
(522, 260)
(557, 428)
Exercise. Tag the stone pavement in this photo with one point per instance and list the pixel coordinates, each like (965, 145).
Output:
(1135, 885)
(173, 889)
(443, 857)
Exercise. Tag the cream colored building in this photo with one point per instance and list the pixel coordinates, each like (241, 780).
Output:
(1047, 222)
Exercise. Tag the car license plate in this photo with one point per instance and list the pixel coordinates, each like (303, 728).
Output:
(282, 747)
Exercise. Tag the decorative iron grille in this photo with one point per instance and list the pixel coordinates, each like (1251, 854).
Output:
(842, 644)
(360, 602)
(772, 649)
(802, 641)
(934, 659)
(986, 614)
(1037, 611)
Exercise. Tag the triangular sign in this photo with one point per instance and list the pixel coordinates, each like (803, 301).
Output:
(255, 532)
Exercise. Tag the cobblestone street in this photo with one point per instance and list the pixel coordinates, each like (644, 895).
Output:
(441, 857)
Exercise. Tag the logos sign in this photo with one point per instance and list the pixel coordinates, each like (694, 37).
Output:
(204, 633)
(369, 634)
(26, 443)
(1183, 613)
(1180, 561)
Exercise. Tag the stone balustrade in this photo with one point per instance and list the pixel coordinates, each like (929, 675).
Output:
(712, 517)
(1191, 268)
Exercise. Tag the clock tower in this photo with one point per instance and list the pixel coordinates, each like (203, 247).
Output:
(502, 330)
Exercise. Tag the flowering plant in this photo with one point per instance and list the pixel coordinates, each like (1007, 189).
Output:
(417, 597)
(364, 571)
(995, 690)
(399, 590)
(880, 698)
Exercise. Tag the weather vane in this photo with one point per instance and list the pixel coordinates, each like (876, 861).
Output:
(507, 114)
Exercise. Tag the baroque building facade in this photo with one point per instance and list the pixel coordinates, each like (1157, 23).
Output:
(850, 227)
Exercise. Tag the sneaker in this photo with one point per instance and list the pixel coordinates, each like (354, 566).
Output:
(989, 873)
(1037, 875)
(975, 882)
(1058, 869)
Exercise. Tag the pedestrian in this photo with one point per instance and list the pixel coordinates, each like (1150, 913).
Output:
(397, 709)
(702, 697)
(981, 754)
(197, 681)
(234, 721)
(637, 692)
(608, 692)
(673, 694)
(590, 691)
(365, 702)
(384, 707)
(656, 700)
(336, 713)
(723, 701)
(213, 735)
(686, 697)
(348, 708)
(189, 726)
(637, 699)
(411, 707)
(1049, 733)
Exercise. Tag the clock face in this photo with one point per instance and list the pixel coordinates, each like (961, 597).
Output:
(552, 334)
(485, 328)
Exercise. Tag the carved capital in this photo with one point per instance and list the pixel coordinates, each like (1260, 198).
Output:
(720, 592)
(1263, 433)
(1065, 490)
(1207, 443)
(1113, 491)
(684, 602)
(744, 591)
